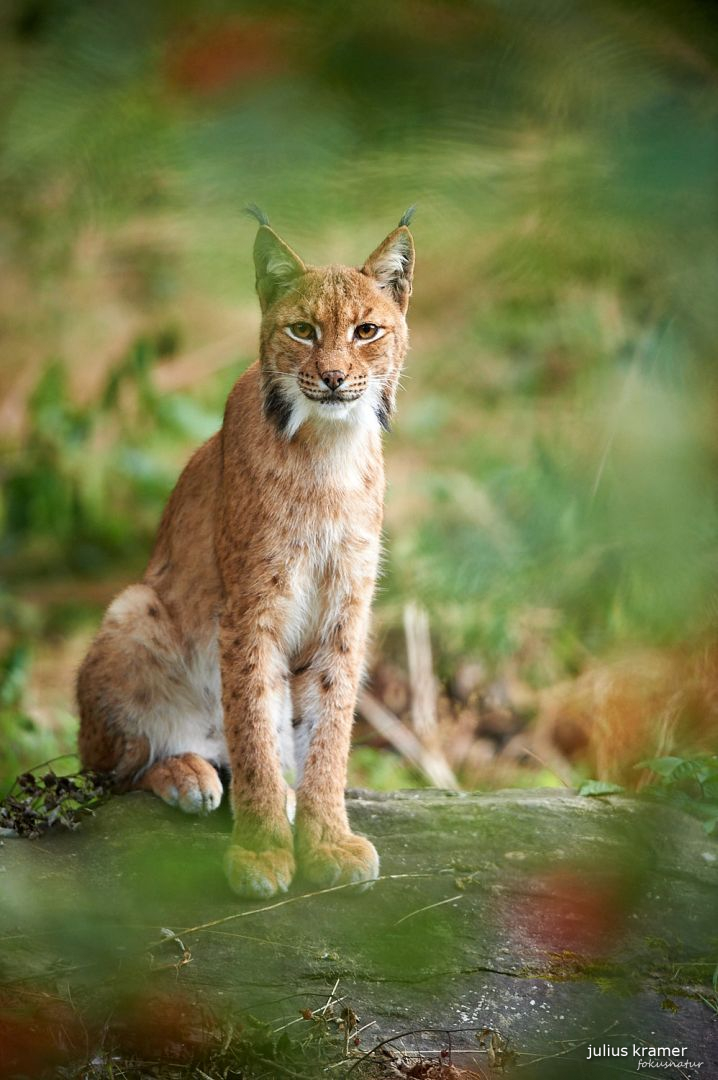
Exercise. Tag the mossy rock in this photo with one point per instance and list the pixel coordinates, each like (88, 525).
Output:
(540, 914)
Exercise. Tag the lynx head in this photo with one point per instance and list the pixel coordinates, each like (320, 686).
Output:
(333, 338)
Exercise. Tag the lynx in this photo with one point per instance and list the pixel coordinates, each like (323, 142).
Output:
(243, 646)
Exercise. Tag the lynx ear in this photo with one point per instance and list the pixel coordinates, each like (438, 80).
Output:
(392, 265)
(276, 265)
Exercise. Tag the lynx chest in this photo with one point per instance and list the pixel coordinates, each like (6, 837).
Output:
(332, 562)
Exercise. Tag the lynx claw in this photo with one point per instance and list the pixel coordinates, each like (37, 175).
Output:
(195, 799)
(186, 781)
(346, 861)
(259, 875)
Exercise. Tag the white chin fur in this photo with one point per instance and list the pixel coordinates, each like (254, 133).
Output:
(333, 411)
(360, 414)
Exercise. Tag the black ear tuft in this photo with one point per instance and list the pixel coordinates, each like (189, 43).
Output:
(407, 216)
(254, 211)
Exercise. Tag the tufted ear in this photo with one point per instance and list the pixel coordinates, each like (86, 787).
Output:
(276, 265)
(392, 265)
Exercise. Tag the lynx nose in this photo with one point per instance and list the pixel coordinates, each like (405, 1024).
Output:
(333, 379)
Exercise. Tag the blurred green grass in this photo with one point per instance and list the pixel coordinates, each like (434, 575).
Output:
(554, 458)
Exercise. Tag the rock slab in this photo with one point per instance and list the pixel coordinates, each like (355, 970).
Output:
(559, 922)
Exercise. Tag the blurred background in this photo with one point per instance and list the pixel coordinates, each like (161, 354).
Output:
(548, 608)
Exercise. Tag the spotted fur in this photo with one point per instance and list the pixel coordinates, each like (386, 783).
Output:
(243, 645)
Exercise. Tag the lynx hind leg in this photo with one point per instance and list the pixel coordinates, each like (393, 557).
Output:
(139, 719)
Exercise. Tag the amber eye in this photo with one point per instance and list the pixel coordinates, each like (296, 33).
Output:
(366, 331)
(303, 330)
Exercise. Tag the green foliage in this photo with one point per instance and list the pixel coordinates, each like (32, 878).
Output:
(381, 770)
(588, 499)
(25, 742)
(599, 787)
(13, 675)
(22, 741)
(36, 803)
(691, 783)
(86, 484)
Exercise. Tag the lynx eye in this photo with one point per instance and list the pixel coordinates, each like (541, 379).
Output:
(366, 331)
(303, 331)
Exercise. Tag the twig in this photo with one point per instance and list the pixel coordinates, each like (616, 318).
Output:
(332, 992)
(258, 940)
(418, 1031)
(568, 1049)
(427, 908)
(638, 1039)
(346, 1059)
(423, 691)
(405, 742)
(712, 1005)
(42, 765)
(302, 896)
(421, 671)
(315, 1012)
(546, 766)
(365, 1026)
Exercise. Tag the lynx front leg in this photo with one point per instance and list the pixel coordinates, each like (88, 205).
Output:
(260, 861)
(185, 780)
(324, 696)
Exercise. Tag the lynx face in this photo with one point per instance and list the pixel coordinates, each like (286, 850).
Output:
(333, 338)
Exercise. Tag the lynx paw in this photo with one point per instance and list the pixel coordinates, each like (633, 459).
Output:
(259, 875)
(187, 781)
(344, 861)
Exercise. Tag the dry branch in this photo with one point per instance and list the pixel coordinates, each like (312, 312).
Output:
(421, 671)
(405, 742)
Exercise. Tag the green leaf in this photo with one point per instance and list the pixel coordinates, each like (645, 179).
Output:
(663, 766)
(599, 787)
